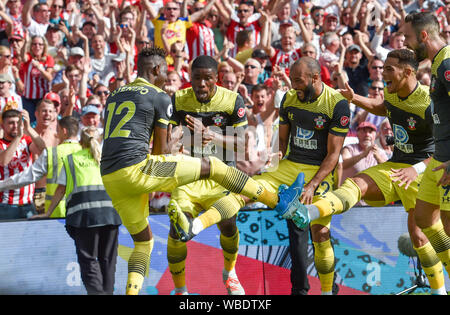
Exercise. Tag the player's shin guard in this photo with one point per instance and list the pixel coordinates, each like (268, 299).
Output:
(440, 242)
(324, 262)
(240, 183)
(223, 209)
(432, 267)
(176, 256)
(138, 265)
(230, 247)
(339, 200)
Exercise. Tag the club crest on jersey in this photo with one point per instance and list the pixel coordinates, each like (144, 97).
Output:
(411, 123)
(217, 120)
(319, 122)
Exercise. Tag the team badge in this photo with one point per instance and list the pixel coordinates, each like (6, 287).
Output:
(319, 122)
(241, 112)
(411, 123)
(217, 119)
(447, 75)
(344, 121)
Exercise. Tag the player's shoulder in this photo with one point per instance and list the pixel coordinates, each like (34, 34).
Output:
(441, 62)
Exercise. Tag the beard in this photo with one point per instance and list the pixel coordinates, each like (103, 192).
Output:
(308, 93)
(421, 52)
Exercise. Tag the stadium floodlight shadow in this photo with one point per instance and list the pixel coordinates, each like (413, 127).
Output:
(406, 248)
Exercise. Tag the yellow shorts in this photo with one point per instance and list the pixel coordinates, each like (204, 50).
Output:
(391, 191)
(129, 188)
(287, 172)
(429, 192)
(198, 196)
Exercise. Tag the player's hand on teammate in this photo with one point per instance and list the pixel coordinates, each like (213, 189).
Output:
(445, 179)
(404, 176)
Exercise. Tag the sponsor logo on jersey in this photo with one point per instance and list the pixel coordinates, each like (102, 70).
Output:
(447, 75)
(401, 139)
(303, 139)
(345, 120)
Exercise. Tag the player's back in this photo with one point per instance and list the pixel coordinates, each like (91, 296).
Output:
(131, 113)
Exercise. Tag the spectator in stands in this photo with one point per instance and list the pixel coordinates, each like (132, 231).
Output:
(36, 73)
(330, 23)
(173, 83)
(229, 81)
(243, 18)
(8, 99)
(36, 17)
(376, 90)
(102, 91)
(56, 100)
(101, 62)
(384, 131)
(375, 67)
(446, 33)
(318, 15)
(46, 128)
(356, 69)
(252, 70)
(364, 154)
(263, 58)
(18, 144)
(283, 16)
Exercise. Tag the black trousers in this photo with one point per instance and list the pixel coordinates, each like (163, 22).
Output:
(96, 249)
(298, 249)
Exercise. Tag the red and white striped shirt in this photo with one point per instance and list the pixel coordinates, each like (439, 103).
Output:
(235, 27)
(35, 84)
(21, 160)
(285, 59)
(200, 41)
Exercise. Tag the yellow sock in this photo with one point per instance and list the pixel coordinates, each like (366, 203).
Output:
(324, 262)
(138, 266)
(339, 200)
(176, 256)
(223, 209)
(431, 265)
(440, 242)
(230, 248)
(240, 183)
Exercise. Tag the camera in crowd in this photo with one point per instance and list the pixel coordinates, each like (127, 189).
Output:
(390, 140)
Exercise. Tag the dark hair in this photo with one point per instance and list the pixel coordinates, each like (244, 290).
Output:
(423, 21)
(151, 56)
(43, 101)
(71, 124)
(205, 62)
(259, 87)
(405, 57)
(10, 113)
(243, 36)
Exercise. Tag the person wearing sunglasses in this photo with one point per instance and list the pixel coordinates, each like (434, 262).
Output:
(36, 17)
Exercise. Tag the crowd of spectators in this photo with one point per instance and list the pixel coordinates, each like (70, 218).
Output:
(74, 53)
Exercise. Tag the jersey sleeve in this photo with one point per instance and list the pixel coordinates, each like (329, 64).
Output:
(163, 110)
(239, 116)
(175, 119)
(283, 112)
(341, 119)
(443, 74)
